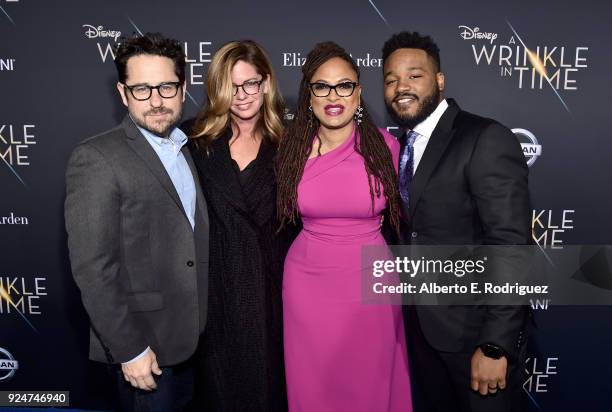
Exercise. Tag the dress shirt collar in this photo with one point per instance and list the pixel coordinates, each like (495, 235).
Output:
(176, 137)
(427, 126)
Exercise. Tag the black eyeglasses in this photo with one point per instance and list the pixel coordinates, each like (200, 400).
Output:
(143, 92)
(249, 87)
(344, 89)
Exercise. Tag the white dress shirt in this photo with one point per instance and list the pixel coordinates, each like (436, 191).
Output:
(425, 129)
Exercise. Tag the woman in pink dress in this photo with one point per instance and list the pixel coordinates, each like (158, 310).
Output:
(336, 172)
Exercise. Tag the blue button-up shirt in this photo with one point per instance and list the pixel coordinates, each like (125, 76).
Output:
(169, 151)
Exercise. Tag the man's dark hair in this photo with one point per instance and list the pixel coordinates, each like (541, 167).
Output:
(412, 40)
(154, 44)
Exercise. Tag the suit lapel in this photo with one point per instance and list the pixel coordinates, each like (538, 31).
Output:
(202, 207)
(143, 149)
(436, 146)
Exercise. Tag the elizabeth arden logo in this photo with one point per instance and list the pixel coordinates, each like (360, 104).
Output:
(296, 59)
(14, 220)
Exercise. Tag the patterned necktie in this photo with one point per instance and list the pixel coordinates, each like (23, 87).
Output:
(406, 164)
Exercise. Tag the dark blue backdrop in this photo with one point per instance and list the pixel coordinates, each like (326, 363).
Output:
(57, 81)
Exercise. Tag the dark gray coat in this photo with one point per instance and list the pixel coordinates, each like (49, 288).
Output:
(141, 268)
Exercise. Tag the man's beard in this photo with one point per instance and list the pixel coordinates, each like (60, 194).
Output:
(156, 128)
(409, 122)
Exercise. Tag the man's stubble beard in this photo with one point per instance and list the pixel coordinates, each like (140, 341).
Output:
(173, 121)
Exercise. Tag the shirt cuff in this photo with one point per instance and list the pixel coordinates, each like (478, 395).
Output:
(137, 357)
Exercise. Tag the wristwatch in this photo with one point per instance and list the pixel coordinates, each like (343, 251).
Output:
(492, 351)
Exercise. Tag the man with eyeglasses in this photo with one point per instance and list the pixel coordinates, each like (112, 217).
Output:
(138, 233)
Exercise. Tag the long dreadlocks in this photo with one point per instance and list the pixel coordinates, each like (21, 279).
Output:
(296, 145)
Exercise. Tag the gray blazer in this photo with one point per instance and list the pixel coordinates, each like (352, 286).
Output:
(141, 269)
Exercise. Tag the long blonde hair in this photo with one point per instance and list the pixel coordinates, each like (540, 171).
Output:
(215, 117)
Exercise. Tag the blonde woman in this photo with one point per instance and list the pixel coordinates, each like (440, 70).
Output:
(234, 140)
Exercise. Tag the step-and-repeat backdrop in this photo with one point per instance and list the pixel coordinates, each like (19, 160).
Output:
(57, 87)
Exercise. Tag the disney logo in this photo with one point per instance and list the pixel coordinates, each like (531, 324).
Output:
(475, 33)
(93, 32)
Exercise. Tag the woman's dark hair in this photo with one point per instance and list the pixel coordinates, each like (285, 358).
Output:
(296, 145)
(154, 44)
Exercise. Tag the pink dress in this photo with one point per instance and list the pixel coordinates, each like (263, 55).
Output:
(340, 354)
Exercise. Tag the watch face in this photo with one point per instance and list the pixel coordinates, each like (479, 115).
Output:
(492, 351)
